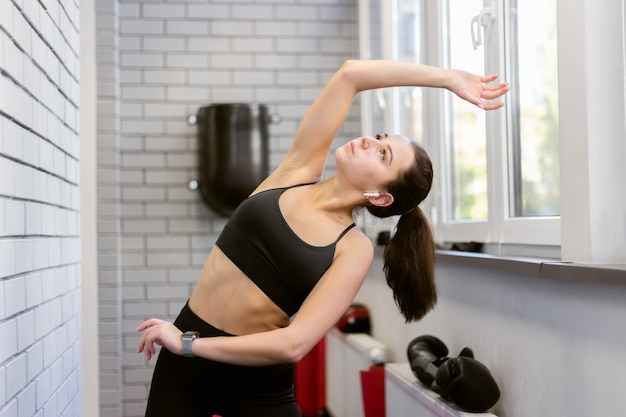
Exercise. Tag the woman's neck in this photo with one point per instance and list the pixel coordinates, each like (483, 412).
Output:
(329, 196)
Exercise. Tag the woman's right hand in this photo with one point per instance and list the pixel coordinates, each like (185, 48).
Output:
(162, 333)
(476, 90)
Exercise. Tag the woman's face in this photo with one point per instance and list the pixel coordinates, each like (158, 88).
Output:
(369, 163)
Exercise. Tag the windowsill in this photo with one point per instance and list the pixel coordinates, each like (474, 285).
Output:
(537, 267)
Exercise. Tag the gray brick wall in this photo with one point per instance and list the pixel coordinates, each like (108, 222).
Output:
(160, 61)
(40, 282)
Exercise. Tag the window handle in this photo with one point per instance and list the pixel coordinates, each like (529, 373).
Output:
(479, 21)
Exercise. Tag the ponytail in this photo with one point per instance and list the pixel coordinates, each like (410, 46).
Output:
(409, 265)
(409, 258)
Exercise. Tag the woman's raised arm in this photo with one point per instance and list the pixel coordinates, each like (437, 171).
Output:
(308, 153)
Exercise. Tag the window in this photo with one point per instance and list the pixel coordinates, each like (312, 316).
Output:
(466, 155)
(534, 123)
(497, 178)
(392, 109)
(502, 182)
(407, 46)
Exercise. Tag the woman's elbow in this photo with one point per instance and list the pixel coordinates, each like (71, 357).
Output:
(295, 349)
(353, 73)
(348, 68)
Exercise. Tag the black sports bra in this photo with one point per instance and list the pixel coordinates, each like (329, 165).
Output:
(259, 241)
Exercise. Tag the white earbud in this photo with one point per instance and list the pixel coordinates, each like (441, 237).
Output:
(375, 195)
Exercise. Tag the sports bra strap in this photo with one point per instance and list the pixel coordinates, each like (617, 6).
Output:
(346, 230)
(298, 185)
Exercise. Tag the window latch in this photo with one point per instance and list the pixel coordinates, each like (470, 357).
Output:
(482, 19)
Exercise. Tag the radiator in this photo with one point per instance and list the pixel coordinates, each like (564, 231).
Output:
(346, 356)
(406, 396)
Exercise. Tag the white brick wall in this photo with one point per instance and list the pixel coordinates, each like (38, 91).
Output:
(171, 58)
(39, 243)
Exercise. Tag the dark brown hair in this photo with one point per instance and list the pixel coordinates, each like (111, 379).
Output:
(409, 257)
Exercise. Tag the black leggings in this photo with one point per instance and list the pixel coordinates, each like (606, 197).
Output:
(194, 387)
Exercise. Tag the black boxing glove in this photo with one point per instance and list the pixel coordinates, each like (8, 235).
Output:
(467, 383)
(426, 353)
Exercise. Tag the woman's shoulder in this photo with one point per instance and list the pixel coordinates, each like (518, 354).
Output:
(353, 255)
(355, 244)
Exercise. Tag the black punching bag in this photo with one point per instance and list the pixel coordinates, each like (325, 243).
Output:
(233, 149)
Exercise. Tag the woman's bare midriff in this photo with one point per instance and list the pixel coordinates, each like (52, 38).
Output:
(228, 300)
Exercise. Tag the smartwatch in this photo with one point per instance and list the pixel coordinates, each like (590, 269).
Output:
(188, 337)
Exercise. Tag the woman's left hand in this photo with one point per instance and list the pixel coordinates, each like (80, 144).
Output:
(476, 90)
(162, 333)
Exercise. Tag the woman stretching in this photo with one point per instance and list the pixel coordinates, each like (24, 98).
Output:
(290, 260)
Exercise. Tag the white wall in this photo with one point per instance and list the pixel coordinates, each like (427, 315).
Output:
(88, 202)
(40, 276)
(555, 347)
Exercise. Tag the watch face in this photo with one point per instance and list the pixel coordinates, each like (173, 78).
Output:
(191, 334)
